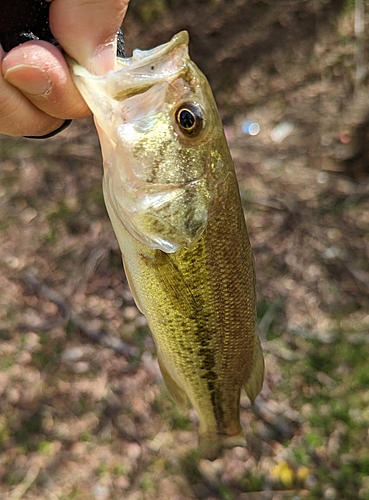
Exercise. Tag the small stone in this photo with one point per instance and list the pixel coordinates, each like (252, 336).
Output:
(100, 492)
(281, 131)
(330, 493)
(122, 483)
(134, 451)
(81, 367)
(73, 354)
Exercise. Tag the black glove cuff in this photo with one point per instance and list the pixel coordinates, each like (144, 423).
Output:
(50, 134)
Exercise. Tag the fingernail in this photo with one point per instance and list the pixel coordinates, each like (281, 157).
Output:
(29, 79)
(104, 58)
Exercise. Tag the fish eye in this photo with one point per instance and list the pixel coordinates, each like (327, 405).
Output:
(189, 119)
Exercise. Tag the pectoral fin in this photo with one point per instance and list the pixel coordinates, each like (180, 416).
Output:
(254, 383)
(132, 287)
(177, 393)
(177, 290)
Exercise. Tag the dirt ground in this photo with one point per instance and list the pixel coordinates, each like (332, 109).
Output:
(83, 413)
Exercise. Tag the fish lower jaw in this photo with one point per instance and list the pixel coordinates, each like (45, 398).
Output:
(212, 444)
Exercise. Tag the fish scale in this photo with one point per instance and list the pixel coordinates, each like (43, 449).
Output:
(198, 298)
(181, 229)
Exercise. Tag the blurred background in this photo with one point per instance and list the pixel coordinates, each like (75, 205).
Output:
(83, 412)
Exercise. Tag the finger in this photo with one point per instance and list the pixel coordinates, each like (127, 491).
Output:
(86, 29)
(18, 116)
(38, 69)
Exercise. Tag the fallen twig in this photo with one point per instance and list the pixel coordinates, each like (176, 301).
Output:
(20, 490)
(359, 27)
(95, 335)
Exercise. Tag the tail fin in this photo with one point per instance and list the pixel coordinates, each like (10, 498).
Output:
(212, 444)
(254, 383)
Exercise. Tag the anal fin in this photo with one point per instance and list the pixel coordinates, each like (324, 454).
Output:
(174, 389)
(254, 383)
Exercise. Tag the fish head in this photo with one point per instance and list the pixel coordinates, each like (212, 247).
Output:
(162, 141)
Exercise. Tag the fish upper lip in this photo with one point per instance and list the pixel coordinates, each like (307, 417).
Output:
(127, 67)
(144, 57)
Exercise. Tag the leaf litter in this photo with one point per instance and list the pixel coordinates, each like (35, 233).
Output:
(83, 412)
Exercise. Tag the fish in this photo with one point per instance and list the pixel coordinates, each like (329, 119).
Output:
(172, 196)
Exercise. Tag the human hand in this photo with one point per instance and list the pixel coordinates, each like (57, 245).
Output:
(37, 93)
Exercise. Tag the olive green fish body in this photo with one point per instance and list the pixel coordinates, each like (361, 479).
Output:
(182, 233)
(200, 306)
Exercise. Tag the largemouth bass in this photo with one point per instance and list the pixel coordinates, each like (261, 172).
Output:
(172, 196)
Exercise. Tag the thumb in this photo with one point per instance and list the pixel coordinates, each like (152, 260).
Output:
(86, 30)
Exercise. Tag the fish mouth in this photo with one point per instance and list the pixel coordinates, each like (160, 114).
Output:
(166, 213)
(144, 57)
(136, 74)
(148, 67)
